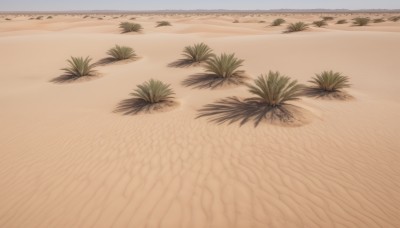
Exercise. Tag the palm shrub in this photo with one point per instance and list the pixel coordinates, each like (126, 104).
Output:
(153, 91)
(224, 66)
(328, 18)
(78, 67)
(278, 22)
(39, 18)
(49, 17)
(361, 21)
(275, 89)
(236, 21)
(320, 23)
(130, 27)
(197, 53)
(121, 52)
(342, 21)
(297, 27)
(329, 81)
(163, 23)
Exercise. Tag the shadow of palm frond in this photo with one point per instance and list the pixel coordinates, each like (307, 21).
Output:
(135, 106)
(68, 78)
(233, 109)
(182, 63)
(321, 94)
(203, 81)
(105, 61)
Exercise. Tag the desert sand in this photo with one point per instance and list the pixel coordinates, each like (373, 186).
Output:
(68, 159)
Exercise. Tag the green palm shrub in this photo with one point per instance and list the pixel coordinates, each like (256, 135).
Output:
(197, 53)
(297, 27)
(275, 89)
(153, 91)
(342, 21)
(163, 23)
(78, 67)
(361, 21)
(224, 66)
(378, 20)
(130, 27)
(320, 23)
(328, 18)
(329, 81)
(121, 52)
(278, 22)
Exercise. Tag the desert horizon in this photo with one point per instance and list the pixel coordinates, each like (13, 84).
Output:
(200, 119)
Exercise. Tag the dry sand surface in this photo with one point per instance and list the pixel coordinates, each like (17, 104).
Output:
(69, 160)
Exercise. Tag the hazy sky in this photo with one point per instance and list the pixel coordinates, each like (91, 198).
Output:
(15, 5)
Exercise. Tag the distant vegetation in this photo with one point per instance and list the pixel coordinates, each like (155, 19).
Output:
(394, 18)
(39, 18)
(278, 22)
(50, 17)
(328, 18)
(163, 23)
(297, 27)
(378, 20)
(130, 27)
(342, 21)
(320, 23)
(361, 21)
(235, 21)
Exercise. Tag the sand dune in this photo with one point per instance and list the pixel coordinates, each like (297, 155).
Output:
(69, 160)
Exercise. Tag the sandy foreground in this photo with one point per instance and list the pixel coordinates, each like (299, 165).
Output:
(68, 159)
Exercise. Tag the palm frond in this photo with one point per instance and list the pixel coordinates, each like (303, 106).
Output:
(275, 89)
(224, 66)
(330, 81)
(121, 52)
(153, 91)
(197, 53)
(78, 67)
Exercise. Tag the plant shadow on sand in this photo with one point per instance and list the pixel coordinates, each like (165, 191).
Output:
(321, 94)
(212, 81)
(232, 109)
(183, 63)
(135, 106)
(110, 60)
(67, 78)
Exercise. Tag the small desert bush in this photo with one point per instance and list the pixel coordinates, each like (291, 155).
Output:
(235, 21)
(224, 66)
(297, 27)
(394, 18)
(153, 91)
(39, 18)
(86, 16)
(278, 22)
(320, 23)
(330, 81)
(79, 67)
(163, 23)
(197, 53)
(378, 20)
(130, 27)
(261, 21)
(340, 22)
(275, 89)
(361, 21)
(121, 52)
(328, 18)
(8, 19)
(49, 17)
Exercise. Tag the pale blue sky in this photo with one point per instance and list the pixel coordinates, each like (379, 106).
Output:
(35, 5)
